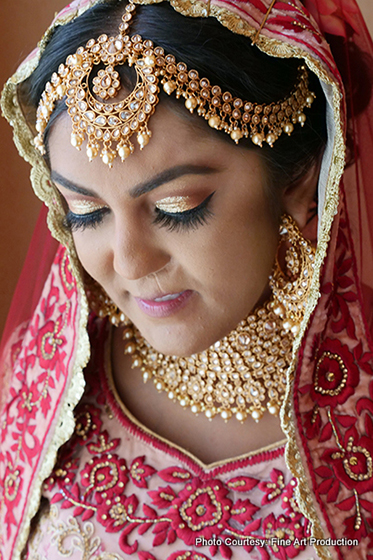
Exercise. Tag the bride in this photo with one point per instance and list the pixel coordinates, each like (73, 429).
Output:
(192, 379)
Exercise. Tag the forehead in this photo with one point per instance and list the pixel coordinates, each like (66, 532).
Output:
(175, 140)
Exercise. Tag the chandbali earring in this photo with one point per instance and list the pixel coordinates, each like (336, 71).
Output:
(244, 374)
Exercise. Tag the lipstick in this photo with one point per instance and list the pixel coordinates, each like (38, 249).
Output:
(165, 305)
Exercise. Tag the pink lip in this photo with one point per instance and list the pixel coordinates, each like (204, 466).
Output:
(164, 308)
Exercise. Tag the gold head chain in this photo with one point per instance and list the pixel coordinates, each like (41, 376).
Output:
(108, 125)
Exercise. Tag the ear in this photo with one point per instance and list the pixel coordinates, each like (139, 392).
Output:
(298, 199)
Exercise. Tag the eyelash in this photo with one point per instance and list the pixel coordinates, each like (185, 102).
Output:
(190, 219)
(74, 222)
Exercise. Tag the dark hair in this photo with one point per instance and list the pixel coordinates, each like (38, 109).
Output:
(225, 58)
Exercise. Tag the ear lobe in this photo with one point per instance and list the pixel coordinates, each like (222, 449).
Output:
(299, 198)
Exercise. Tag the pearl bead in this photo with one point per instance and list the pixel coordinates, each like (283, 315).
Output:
(146, 375)
(143, 139)
(124, 152)
(137, 362)
(241, 416)
(92, 152)
(279, 310)
(302, 118)
(273, 409)
(195, 408)
(149, 60)
(257, 139)
(128, 334)
(76, 141)
(288, 325)
(159, 386)
(270, 139)
(129, 348)
(169, 87)
(309, 99)
(76, 59)
(256, 415)
(236, 135)
(295, 329)
(61, 90)
(214, 121)
(39, 144)
(226, 414)
(108, 158)
(191, 103)
(288, 128)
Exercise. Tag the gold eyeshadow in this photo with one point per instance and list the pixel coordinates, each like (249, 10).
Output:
(175, 204)
(82, 207)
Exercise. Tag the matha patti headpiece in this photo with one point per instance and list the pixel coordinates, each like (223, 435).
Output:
(108, 126)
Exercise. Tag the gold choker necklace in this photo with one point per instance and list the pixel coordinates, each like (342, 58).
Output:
(245, 370)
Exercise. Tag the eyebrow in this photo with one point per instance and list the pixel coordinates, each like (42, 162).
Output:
(162, 178)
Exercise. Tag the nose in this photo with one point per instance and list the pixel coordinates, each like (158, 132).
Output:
(136, 252)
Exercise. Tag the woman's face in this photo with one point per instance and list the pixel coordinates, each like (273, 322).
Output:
(180, 235)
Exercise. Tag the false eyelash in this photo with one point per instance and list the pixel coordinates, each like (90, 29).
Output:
(74, 222)
(190, 219)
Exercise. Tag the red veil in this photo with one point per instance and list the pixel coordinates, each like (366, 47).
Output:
(328, 419)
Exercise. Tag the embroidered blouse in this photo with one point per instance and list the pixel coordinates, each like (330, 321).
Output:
(118, 491)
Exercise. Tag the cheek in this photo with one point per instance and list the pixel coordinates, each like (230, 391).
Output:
(234, 252)
(94, 253)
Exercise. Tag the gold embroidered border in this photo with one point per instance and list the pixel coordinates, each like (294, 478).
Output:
(41, 183)
(40, 180)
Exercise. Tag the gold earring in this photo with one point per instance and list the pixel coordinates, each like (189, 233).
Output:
(290, 287)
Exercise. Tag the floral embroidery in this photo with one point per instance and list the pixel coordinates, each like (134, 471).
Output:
(284, 528)
(41, 368)
(68, 538)
(129, 497)
(202, 509)
(336, 374)
(107, 473)
(336, 420)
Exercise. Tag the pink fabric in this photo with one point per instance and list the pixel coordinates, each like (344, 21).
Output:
(138, 496)
(41, 360)
(334, 427)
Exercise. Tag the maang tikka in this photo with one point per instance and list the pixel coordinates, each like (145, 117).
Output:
(244, 374)
(108, 125)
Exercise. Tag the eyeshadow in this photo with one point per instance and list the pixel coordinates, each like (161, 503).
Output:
(175, 204)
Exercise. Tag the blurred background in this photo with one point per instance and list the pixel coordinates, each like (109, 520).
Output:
(23, 23)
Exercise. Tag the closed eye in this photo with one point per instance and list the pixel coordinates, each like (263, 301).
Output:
(189, 219)
(75, 222)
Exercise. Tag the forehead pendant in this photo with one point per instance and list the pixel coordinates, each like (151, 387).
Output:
(108, 124)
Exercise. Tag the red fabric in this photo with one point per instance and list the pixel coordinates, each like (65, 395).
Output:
(333, 427)
(35, 271)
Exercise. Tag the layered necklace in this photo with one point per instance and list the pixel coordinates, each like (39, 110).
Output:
(244, 374)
